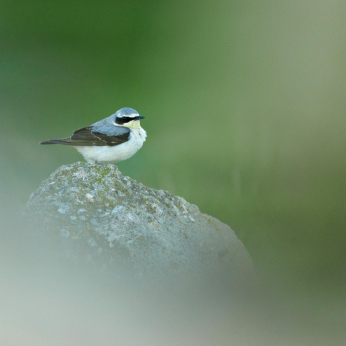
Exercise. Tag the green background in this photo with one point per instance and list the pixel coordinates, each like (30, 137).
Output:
(244, 104)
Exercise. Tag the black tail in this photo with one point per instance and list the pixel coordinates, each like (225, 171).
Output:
(57, 141)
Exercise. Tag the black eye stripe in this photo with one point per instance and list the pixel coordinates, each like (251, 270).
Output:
(125, 120)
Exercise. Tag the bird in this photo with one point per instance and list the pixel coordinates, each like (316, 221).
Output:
(109, 140)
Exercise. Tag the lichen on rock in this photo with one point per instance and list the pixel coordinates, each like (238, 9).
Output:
(109, 219)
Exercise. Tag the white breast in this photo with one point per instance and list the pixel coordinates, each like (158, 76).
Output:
(106, 154)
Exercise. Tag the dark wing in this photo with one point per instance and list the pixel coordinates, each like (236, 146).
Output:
(100, 137)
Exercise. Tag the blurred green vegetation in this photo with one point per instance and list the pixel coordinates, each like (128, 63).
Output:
(244, 104)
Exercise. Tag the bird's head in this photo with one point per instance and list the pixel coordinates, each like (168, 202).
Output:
(128, 117)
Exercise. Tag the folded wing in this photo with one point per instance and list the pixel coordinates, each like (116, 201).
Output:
(87, 136)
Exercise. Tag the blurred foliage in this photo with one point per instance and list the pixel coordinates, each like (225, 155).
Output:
(244, 104)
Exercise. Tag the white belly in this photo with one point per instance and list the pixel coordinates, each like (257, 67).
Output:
(107, 154)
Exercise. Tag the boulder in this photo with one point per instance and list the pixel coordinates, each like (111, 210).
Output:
(94, 214)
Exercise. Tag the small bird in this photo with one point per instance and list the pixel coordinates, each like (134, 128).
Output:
(109, 140)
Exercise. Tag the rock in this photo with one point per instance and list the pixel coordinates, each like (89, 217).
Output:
(97, 215)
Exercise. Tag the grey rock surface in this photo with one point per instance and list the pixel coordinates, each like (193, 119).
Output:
(103, 217)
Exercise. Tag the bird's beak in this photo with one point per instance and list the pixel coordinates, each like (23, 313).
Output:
(140, 117)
